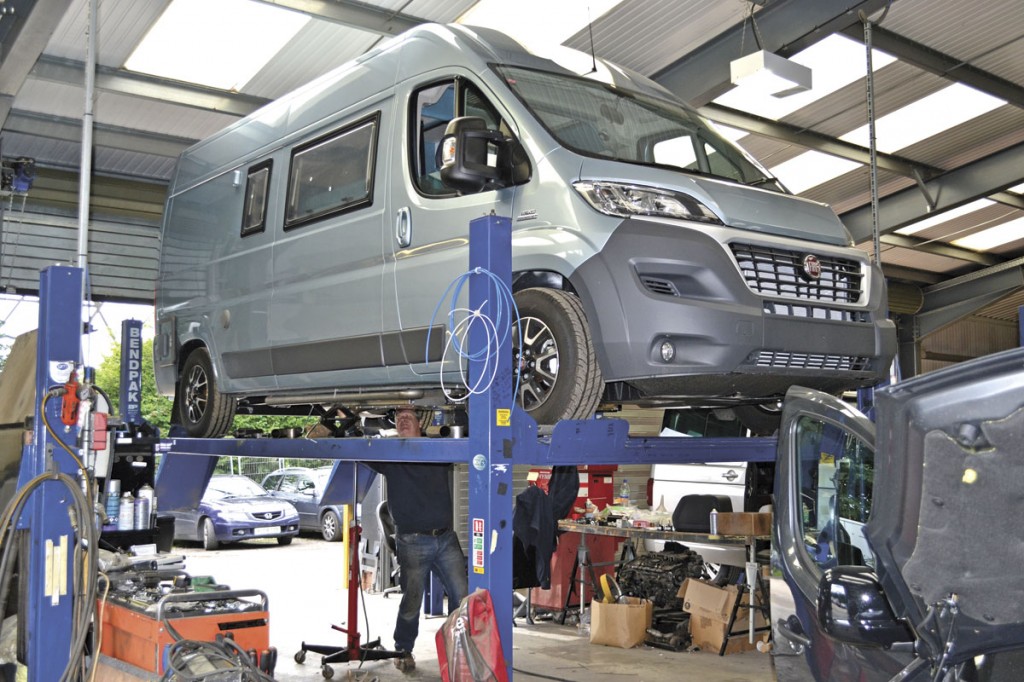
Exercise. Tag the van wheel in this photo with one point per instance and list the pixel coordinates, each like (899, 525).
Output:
(762, 420)
(555, 363)
(203, 411)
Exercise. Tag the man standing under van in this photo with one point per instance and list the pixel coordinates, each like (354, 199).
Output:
(420, 501)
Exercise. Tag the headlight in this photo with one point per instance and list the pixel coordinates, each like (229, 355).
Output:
(618, 199)
(234, 515)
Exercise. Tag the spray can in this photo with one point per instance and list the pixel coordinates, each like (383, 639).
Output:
(113, 503)
(126, 513)
(142, 507)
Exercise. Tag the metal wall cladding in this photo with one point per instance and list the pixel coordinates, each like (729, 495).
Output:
(970, 338)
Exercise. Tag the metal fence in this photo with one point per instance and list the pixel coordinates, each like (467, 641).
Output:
(258, 467)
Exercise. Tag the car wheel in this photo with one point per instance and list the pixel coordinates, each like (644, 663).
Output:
(330, 526)
(208, 534)
(721, 575)
(553, 357)
(762, 420)
(203, 411)
(285, 541)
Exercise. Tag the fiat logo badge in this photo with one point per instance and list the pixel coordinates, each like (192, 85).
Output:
(811, 267)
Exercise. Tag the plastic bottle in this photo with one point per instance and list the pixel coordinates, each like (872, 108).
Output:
(624, 492)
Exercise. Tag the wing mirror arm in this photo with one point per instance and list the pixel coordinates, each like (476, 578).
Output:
(853, 608)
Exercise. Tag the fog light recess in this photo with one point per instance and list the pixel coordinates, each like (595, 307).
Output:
(668, 351)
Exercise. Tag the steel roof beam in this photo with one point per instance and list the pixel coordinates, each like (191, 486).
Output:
(812, 140)
(947, 302)
(29, 28)
(353, 14)
(114, 137)
(785, 26)
(986, 177)
(939, 63)
(941, 249)
(119, 81)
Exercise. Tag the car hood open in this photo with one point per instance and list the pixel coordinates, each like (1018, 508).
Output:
(946, 514)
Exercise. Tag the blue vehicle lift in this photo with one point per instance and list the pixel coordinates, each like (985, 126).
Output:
(500, 435)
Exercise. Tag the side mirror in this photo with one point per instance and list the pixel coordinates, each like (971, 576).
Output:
(852, 608)
(474, 158)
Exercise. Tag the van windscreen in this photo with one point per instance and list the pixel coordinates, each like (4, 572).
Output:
(605, 121)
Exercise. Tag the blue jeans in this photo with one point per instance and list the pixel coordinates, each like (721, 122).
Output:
(417, 556)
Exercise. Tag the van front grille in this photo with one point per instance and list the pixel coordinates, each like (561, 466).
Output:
(828, 361)
(780, 272)
(815, 312)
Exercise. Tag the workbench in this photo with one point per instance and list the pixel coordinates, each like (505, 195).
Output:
(629, 534)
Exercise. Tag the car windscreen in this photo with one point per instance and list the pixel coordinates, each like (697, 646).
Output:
(235, 486)
(605, 121)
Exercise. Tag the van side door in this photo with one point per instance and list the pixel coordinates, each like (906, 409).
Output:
(429, 223)
(325, 315)
(823, 492)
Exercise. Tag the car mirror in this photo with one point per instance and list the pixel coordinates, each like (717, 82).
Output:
(474, 158)
(853, 608)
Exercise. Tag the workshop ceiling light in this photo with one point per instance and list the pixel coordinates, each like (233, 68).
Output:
(993, 237)
(767, 72)
(945, 216)
(836, 62)
(220, 44)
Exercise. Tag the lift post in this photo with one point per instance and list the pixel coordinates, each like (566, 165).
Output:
(48, 621)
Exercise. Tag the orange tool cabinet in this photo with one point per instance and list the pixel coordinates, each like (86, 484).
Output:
(139, 638)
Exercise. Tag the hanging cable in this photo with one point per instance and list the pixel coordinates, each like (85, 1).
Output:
(495, 332)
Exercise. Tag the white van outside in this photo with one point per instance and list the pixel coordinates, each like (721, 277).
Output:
(748, 485)
(305, 247)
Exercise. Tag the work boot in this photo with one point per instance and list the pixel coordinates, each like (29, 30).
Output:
(406, 663)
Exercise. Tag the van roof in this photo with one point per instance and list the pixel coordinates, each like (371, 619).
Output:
(354, 84)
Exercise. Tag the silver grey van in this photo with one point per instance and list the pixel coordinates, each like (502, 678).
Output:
(306, 247)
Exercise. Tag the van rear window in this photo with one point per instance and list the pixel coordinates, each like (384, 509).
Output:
(332, 174)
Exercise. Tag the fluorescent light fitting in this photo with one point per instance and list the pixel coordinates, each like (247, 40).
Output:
(999, 235)
(945, 216)
(765, 71)
(220, 44)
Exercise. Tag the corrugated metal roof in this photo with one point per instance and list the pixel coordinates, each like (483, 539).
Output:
(120, 27)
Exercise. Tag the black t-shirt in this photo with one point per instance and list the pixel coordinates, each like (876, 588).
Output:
(418, 495)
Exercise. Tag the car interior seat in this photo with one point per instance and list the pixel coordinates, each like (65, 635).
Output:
(386, 530)
(693, 512)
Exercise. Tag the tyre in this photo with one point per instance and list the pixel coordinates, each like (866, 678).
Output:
(208, 534)
(330, 526)
(762, 420)
(554, 360)
(284, 542)
(203, 411)
(721, 575)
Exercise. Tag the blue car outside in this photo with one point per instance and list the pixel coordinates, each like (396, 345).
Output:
(235, 508)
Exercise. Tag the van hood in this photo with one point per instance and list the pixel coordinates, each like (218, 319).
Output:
(739, 206)
(946, 514)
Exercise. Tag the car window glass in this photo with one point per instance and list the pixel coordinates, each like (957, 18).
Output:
(271, 482)
(835, 475)
(289, 483)
(332, 174)
(254, 213)
(433, 107)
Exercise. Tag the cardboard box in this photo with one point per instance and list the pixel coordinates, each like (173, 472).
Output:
(744, 523)
(710, 608)
(621, 625)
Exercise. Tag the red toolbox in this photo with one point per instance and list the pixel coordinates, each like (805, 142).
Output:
(137, 636)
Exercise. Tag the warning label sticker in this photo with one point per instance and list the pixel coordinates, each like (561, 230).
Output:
(478, 546)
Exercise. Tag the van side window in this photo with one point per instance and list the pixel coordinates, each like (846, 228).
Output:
(332, 174)
(254, 213)
(835, 477)
(433, 107)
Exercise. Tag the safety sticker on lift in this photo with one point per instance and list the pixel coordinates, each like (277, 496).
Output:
(478, 546)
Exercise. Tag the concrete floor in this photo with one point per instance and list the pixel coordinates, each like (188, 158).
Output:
(303, 584)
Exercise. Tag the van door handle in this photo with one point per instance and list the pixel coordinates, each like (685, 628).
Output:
(403, 227)
(730, 475)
